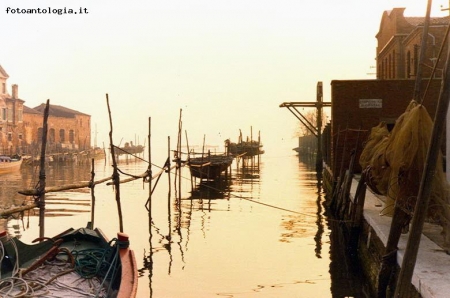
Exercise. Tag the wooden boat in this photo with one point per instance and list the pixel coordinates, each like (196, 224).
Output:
(248, 148)
(129, 148)
(209, 166)
(76, 263)
(10, 164)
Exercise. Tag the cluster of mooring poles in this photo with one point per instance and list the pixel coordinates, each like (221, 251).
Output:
(38, 193)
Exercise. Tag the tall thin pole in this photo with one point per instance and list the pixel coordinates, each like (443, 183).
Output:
(168, 161)
(41, 187)
(180, 125)
(150, 166)
(115, 176)
(423, 49)
(92, 185)
(423, 197)
(319, 158)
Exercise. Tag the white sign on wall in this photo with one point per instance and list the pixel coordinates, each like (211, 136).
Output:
(370, 103)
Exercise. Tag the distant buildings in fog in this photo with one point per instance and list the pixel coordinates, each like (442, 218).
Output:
(21, 127)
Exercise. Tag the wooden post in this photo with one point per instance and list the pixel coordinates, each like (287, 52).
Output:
(92, 194)
(357, 213)
(319, 157)
(41, 187)
(423, 197)
(389, 261)
(180, 124)
(168, 161)
(149, 170)
(188, 156)
(115, 175)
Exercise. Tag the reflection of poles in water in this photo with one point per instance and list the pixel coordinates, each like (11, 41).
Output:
(320, 227)
(148, 262)
(168, 246)
(177, 204)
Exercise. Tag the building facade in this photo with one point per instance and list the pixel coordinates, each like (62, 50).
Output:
(11, 117)
(21, 127)
(399, 44)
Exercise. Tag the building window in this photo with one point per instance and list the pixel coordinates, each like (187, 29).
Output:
(20, 115)
(408, 64)
(4, 114)
(10, 115)
(416, 59)
(71, 136)
(393, 66)
(9, 136)
(20, 136)
(51, 135)
(40, 133)
(3, 88)
(62, 135)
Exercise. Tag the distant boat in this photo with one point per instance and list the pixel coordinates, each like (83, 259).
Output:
(75, 263)
(248, 148)
(129, 149)
(209, 166)
(9, 164)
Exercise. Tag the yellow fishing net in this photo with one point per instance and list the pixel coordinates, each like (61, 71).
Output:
(397, 162)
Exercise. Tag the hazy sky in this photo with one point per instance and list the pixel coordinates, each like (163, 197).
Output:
(227, 64)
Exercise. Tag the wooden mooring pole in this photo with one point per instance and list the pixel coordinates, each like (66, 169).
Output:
(115, 176)
(423, 197)
(319, 157)
(92, 185)
(41, 187)
(168, 162)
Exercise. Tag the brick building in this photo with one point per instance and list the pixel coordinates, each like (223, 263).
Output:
(67, 129)
(11, 117)
(21, 126)
(359, 105)
(399, 41)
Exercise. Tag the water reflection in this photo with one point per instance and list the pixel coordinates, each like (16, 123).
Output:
(263, 232)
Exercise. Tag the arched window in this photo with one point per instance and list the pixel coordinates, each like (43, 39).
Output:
(39, 136)
(408, 64)
(71, 136)
(393, 65)
(62, 136)
(51, 136)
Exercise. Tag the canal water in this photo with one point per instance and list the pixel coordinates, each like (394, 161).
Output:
(262, 233)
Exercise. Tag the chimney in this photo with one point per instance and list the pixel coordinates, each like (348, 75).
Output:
(15, 91)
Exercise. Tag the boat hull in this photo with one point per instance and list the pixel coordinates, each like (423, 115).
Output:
(9, 165)
(114, 273)
(210, 167)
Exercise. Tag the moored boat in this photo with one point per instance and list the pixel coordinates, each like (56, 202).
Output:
(129, 148)
(10, 164)
(209, 166)
(247, 148)
(76, 263)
